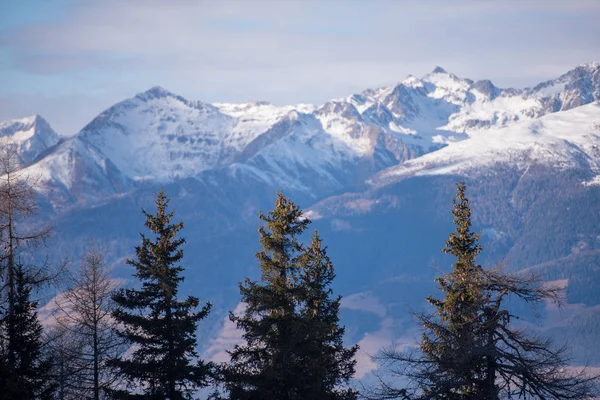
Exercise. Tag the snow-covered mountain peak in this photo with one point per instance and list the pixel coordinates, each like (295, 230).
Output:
(155, 92)
(31, 136)
(158, 134)
(412, 81)
(486, 88)
(447, 84)
(577, 87)
(163, 136)
(590, 67)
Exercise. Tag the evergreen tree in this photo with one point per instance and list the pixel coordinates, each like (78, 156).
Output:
(330, 364)
(26, 376)
(267, 365)
(451, 339)
(161, 329)
(469, 349)
(293, 344)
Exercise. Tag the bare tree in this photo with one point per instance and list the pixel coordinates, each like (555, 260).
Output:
(64, 347)
(18, 204)
(84, 309)
(18, 207)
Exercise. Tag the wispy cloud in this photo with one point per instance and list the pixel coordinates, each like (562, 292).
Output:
(364, 301)
(227, 338)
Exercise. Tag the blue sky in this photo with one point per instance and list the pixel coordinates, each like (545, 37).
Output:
(69, 60)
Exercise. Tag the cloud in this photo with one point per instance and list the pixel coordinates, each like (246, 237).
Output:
(228, 337)
(370, 345)
(364, 301)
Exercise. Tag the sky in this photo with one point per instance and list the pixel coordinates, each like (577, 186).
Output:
(67, 60)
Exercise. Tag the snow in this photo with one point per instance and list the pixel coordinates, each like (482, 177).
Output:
(595, 181)
(347, 131)
(160, 136)
(31, 136)
(558, 140)
(447, 84)
(254, 118)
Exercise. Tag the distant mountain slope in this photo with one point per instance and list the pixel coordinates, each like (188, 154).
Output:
(565, 140)
(374, 170)
(77, 173)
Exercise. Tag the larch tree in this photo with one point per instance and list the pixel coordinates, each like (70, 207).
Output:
(84, 309)
(18, 205)
(161, 329)
(470, 348)
(64, 348)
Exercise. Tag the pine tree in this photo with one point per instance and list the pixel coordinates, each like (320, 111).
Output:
(27, 375)
(469, 349)
(161, 329)
(293, 343)
(329, 364)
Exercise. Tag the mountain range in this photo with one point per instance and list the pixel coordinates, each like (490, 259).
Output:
(374, 171)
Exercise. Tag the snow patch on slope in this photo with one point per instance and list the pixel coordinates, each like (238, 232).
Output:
(561, 140)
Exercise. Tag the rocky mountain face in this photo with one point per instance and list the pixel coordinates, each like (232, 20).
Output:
(31, 136)
(375, 171)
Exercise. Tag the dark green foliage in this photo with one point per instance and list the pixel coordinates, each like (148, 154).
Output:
(470, 349)
(293, 345)
(452, 339)
(162, 329)
(331, 364)
(24, 369)
(268, 364)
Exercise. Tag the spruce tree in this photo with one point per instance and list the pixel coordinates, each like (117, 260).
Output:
(25, 375)
(292, 340)
(469, 349)
(163, 363)
(454, 343)
(267, 365)
(330, 365)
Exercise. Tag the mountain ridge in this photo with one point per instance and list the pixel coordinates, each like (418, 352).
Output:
(160, 136)
(374, 171)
